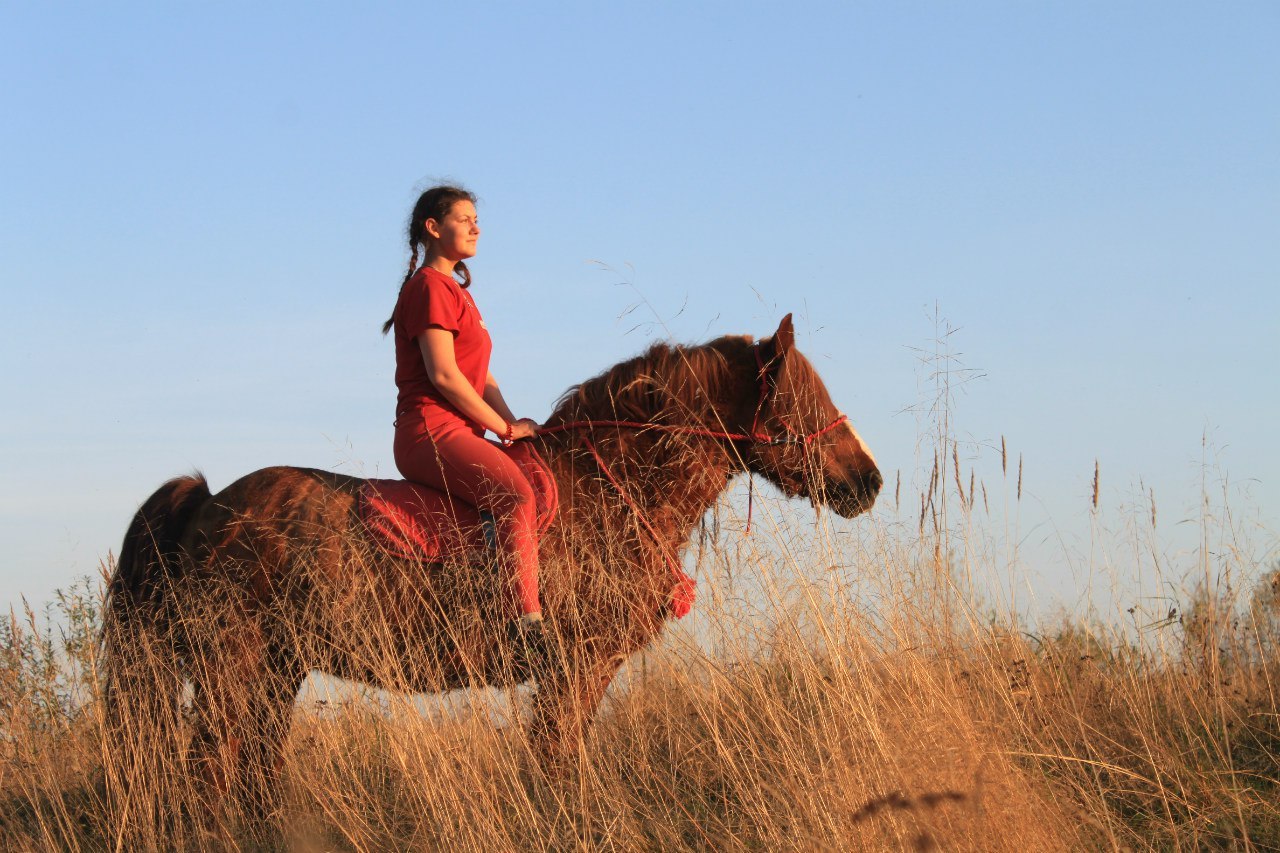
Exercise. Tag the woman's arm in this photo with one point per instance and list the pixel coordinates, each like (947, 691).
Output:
(493, 396)
(442, 369)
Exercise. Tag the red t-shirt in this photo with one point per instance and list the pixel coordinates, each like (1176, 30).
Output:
(431, 299)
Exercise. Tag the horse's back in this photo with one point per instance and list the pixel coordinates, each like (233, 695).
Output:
(284, 485)
(268, 520)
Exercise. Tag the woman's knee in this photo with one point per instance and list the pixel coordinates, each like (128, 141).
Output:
(514, 498)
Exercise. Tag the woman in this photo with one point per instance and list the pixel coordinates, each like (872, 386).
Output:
(448, 397)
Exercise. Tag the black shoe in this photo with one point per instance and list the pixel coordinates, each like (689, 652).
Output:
(528, 639)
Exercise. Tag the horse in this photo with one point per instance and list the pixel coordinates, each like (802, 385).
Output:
(244, 592)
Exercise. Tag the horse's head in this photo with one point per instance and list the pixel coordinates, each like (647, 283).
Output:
(764, 398)
(812, 450)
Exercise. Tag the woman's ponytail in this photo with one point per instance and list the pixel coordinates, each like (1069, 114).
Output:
(413, 268)
(460, 268)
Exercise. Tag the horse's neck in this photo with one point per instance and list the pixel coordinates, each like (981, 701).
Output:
(671, 488)
(673, 478)
(687, 485)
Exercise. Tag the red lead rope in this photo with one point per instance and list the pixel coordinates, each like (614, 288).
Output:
(683, 594)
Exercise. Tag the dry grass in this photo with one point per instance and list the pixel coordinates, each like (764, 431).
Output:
(857, 686)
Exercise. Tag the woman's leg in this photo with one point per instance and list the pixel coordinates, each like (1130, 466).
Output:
(467, 467)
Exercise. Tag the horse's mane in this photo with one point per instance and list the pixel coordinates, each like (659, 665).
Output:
(667, 382)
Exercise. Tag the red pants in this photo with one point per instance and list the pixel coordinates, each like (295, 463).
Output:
(470, 468)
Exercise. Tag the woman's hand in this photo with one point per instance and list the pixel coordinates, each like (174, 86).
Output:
(524, 428)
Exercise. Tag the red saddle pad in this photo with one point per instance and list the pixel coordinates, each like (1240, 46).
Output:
(421, 523)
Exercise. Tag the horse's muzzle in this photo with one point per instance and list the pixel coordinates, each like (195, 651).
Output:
(852, 499)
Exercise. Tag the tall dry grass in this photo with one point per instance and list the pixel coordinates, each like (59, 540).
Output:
(840, 690)
(861, 685)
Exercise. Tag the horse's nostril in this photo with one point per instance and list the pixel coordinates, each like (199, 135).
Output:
(854, 496)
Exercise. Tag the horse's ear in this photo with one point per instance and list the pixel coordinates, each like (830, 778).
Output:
(785, 338)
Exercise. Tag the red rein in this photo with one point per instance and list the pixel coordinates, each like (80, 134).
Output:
(754, 437)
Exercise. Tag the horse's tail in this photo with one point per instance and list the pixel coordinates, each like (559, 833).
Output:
(150, 560)
(142, 651)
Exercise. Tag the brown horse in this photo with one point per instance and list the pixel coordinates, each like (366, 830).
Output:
(246, 591)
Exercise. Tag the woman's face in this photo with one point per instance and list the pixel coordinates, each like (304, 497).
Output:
(455, 236)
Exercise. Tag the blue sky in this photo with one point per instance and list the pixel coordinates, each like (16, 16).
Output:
(202, 228)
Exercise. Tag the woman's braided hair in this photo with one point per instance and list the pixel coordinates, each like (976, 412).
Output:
(435, 204)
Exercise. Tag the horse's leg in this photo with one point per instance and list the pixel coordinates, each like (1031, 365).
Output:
(219, 679)
(245, 689)
(264, 731)
(565, 701)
